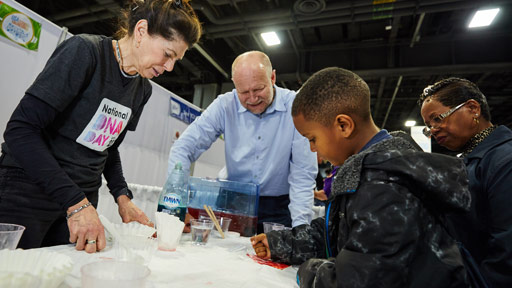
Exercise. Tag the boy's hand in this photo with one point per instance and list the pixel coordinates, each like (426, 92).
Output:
(260, 245)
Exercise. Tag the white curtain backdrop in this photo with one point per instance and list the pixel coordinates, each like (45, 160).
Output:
(145, 197)
(145, 152)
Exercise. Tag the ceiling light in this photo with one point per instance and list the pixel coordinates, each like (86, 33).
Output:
(410, 123)
(270, 38)
(483, 17)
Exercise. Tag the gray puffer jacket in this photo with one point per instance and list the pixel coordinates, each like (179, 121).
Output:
(383, 228)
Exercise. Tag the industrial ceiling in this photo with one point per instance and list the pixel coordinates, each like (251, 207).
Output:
(397, 46)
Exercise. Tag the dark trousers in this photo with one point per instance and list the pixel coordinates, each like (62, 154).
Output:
(274, 209)
(24, 203)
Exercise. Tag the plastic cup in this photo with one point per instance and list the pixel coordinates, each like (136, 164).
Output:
(224, 223)
(270, 226)
(278, 226)
(135, 248)
(267, 227)
(169, 231)
(200, 230)
(114, 274)
(10, 235)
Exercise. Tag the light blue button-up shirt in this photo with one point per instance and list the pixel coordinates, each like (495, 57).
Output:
(264, 149)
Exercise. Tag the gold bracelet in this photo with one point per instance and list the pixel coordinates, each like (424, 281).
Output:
(78, 210)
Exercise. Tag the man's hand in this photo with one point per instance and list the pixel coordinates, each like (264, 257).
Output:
(129, 212)
(85, 228)
(320, 195)
(260, 245)
(186, 228)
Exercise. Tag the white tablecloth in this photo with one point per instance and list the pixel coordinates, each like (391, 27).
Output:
(221, 263)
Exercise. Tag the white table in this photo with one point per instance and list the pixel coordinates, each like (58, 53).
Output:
(221, 263)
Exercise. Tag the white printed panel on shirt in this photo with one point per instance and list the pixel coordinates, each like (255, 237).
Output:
(105, 126)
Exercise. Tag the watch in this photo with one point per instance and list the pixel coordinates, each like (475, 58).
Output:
(123, 191)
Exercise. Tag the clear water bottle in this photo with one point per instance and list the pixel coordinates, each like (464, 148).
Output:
(174, 196)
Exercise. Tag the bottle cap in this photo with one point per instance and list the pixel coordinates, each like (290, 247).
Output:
(177, 166)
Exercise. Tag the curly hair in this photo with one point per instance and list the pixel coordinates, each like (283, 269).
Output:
(453, 91)
(330, 92)
(166, 18)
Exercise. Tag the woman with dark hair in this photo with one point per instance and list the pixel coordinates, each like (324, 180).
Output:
(457, 115)
(65, 132)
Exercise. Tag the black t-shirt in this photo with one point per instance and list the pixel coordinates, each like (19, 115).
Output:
(94, 105)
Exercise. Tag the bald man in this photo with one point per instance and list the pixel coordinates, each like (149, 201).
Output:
(261, 143)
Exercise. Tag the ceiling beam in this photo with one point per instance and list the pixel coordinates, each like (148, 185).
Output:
(380, 92)
(420, 71)
(83, 11)
(392, 100)
(211, 60)
(330, 18)
(416, 36)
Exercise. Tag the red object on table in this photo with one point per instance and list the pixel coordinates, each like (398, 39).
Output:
(258, 260)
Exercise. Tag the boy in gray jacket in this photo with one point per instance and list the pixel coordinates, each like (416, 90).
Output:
(381, 227)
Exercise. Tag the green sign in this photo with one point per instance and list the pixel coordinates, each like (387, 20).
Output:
(18, 27)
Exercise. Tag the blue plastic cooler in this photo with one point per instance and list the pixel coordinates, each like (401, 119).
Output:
(235, 200)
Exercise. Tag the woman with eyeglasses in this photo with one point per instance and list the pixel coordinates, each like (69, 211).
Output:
(457, 115)
(64, 134)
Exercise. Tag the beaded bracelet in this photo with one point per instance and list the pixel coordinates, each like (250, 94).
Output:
(78, 210)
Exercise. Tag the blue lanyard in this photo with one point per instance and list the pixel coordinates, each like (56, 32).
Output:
(328, 250)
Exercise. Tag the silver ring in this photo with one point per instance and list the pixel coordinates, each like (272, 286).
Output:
(91, 241)
(149, 221)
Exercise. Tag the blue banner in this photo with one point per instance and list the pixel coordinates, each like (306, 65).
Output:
(182, 111)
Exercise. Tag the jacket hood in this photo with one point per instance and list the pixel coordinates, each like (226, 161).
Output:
(440, 181)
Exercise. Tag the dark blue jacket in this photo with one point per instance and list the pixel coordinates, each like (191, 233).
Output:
(486, 230)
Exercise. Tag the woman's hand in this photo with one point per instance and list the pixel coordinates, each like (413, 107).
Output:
(129, 212)
(85, 228)
(260, 245)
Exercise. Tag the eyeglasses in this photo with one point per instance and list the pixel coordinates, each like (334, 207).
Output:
(438, 120)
